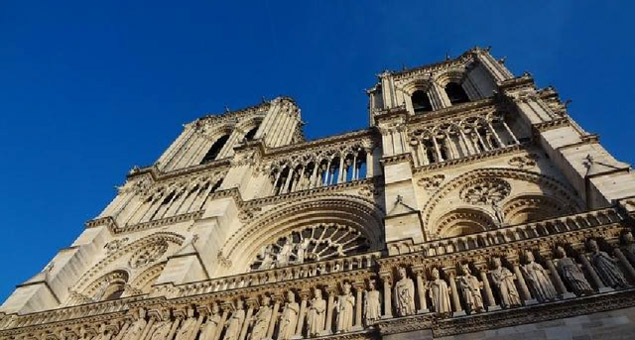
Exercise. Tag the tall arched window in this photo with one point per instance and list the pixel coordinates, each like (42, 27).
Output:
(421, 102)
(456, 94)
(215, 149)
(250, 135)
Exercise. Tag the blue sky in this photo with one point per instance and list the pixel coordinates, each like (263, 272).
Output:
(89, 89)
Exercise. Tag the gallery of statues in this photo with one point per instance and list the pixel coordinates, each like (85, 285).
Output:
(472, 207)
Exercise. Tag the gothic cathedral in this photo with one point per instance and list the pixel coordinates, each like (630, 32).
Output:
(473, 206)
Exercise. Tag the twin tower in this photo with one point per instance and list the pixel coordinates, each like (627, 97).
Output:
(471, 202)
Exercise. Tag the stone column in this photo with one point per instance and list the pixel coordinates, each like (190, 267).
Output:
(624, 261)
(419, 272)
(491, 302)
(175, 326)
(146, 330)
(594, 275)
(330, 306)
(524, 290)
(359, 303)
(555, 277)
(387, 280)
(274, 315)
(340, 172)
(304, 297)
(369, 163)
(123, 330)
(226, 307)
(199, 322)
(509, 131)
(251, 304)
(491, 127)
(456, 301)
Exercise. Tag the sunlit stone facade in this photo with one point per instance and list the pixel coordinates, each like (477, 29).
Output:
(473, 206)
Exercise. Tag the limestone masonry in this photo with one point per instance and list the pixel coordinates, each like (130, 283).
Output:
(472, 207)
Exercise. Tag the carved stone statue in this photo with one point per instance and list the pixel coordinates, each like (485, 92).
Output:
(188, 327)
(372, 304)
(209, 329)
(345, 307)
(267, 258)
(606, 267)
(471, 290)
(301, 250)
(439, 294)
(572, 274)
(235, 322)
(316, 314)
(498, 213)
(288, 318)
(538, 279)
(629, 249)
(504, 281)
(284, 256)
(261, 320)
(161, 329)
(404, 294)
(137, 327)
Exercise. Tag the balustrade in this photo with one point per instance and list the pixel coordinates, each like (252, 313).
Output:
(445, 277)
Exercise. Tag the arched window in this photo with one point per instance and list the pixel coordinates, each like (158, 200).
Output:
(114, 291)
(250, 135)
(421, 102)
(456, 93)
(215, 149)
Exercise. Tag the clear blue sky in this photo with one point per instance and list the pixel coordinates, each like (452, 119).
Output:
(89, 89)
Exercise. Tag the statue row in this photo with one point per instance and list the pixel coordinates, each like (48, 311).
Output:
(525, 284)
(283, 320)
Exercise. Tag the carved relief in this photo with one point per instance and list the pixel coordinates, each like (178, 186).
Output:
(114, 245)
(148, 254)
(523, 162)
(320, 242)
(485, 191)
(431, 183)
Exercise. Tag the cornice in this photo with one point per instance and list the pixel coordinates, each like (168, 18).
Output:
(158, 175)
(308, 145)
(310, 192)
(114, 228)
(443, 65)
(487, 104)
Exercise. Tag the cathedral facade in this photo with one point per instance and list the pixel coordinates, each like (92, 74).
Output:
(473, 206)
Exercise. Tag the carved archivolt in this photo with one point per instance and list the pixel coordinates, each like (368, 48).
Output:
(135, 248)
(310, 244)
(544, 183)
(462, 222)
(532, 208)
(485, 191)
(355, 212)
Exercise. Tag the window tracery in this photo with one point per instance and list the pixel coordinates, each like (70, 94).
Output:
(311, 244)
(148, 254)
(327, 168)
(485, 191)
(460, 138)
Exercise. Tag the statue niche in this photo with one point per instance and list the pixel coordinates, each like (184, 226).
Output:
(311, 244)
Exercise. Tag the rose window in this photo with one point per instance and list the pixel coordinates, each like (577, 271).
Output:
(486, 191)
(316, 243)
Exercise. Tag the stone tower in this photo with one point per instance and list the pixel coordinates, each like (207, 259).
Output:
(471, 204)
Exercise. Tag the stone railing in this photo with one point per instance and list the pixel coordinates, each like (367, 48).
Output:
(263, 277)
(430, 279)
(507, 235)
